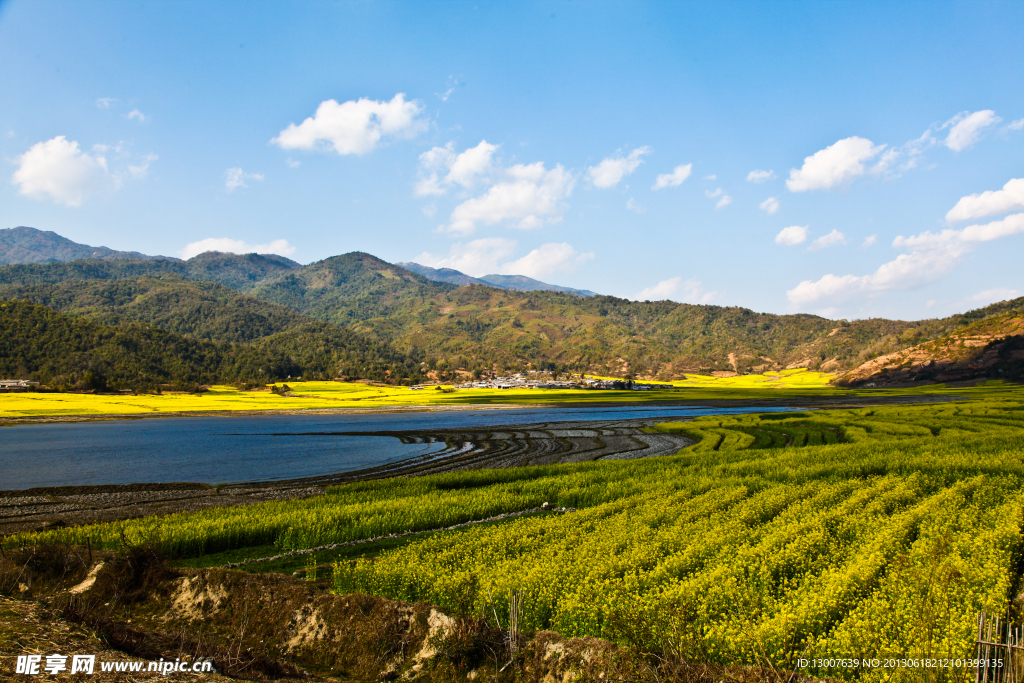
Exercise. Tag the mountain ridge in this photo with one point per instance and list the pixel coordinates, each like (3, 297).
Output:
(991, 348)
(23, 244)
(467, 328)
(519, 283)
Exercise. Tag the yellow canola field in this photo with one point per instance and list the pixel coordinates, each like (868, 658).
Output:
(351, 395)
(798, 378)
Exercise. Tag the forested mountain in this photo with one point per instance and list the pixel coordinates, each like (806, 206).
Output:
(449, 275)
(412, 320)
(519, 283)
(28, 245)
(206, 310)
(242, 272)
(353, 288)
(63, 351)
(528, 284)
(475, 326)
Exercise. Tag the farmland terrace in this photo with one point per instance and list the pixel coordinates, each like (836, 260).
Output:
(507, 446)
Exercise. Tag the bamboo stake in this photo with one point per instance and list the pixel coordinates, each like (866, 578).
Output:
(988, 651)
(993, 635)
(977, 648)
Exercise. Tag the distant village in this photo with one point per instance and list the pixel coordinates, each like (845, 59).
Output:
(17, 385)
(535, 380)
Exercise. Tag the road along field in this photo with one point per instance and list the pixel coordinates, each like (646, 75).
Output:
(862, 533)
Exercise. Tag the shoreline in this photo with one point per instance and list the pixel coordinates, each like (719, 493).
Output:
(107, 417)
(808, 402)
(543, 443)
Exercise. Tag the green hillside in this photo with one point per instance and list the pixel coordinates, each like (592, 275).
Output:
(452, 327)
(241, 272)
(28, 245)
(63, 351)
(205, 310)
(353, 288)
(475, 326)
(992, 347)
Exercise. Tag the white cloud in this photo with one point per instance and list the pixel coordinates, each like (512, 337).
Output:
(711, 177)
(471, 164)
(1016, 125)
(678, 175)
(1011, 225)
(428, 186)
(438, 157)
(451, 84)
(431, 162)
(236, 177)
(59, 171)
(105, 102)
(834, 237)
(770, 206)
(429, 210)
(478, 257)
(354, 127)
(725, 200)
(675, 289)
(292, 163)
(1010, 198)
(965, 128)
(632, 205)
(835, 165)
(929, 257)
(758, 176)
(484, 256)
(546, 259)
(228, 245)
(853, 157)
(610, 171)
(465, 169)
(141, 169)
(792, 236)
(868, 241)
(528, 195)
(991, 296)
(137, 115)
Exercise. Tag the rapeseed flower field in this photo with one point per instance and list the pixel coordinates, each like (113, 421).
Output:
(865, 533)
(354, 395)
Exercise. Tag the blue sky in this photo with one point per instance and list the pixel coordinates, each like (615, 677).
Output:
(847, 159)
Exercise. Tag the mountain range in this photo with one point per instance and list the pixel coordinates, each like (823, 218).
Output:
(28, 245)
(519, 283)
(356, 315)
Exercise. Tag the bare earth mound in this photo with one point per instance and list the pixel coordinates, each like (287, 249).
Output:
(275, 628)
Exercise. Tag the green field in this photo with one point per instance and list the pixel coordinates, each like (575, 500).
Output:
(874, 532)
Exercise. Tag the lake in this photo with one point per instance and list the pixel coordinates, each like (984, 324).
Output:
(229, 449)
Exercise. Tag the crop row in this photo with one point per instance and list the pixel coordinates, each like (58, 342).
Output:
(883, 540)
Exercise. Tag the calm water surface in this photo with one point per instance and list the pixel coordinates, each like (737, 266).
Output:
(219, 450)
